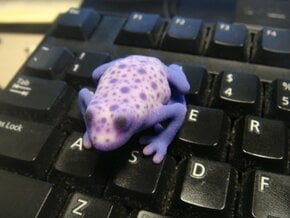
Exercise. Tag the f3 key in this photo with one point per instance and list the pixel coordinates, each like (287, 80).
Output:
(237, 93)
(228, 41)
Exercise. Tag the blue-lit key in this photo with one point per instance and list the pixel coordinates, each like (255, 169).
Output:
(272, 47)
(76, 24)
(141, 29)
(184, 35)
(228, 41)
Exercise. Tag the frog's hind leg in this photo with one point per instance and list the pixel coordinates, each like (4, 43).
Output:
(175, 114)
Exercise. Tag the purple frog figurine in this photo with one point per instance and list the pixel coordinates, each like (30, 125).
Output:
(134, 93)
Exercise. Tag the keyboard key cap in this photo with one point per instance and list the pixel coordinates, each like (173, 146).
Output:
(237, 93)
(49, 62)
(80, 205)
(183, 35)
(74, 159)
(205, 131)
(279, 106)
(23, 197)
(38, 98)
(197, 77)
(141, 29)
(262, 143)
(140, 182)
(272, 47)
(81, 71)
(228, 41)
(207, 189)
(26, 145)
(76, 24)
(269, 197)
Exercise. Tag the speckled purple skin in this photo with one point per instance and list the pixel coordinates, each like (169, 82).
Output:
(134, 93)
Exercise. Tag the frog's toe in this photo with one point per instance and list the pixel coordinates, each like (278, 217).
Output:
(149, 149)
(86, 141)
(158, 157)
(158, 148)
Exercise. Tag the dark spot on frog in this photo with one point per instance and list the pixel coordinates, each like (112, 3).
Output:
(113, 80)
(125, 89)
(114, 107)
(143, 96)
(121, 123)
(122, 66)
(103, 120)
(88, 116)
(142, 71)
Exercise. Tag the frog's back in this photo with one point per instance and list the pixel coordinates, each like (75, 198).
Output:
(139, 81)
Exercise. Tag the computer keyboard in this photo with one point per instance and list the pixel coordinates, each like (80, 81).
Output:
(229, 159)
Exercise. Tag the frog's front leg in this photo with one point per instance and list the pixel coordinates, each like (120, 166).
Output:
(85, 96)
(175, 113)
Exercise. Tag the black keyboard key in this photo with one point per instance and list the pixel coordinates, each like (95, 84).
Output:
(237, 93)
(207, 190)
(228, 41)
(49, 62)
(80, 205)
(140, 182)
(204, 131)
(197, 77)
(279, 105)
(183, 35)
(76, 24)
(272, 47)
(32, 97)
(141, 30)
(262, 143)
(83, 67)
(74, 159)
(26, 145)
(269, 197)
(23, 197)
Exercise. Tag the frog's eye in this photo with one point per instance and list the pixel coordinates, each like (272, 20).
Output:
(122, 123)
(88, 116)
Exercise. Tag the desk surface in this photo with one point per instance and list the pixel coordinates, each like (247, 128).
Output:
(14, 50)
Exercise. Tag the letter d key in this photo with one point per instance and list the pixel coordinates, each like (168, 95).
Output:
(206, 188)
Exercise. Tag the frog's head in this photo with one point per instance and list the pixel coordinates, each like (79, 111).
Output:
(110, 128)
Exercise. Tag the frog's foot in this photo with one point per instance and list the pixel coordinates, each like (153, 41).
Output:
(86, 141)
(157, 146)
